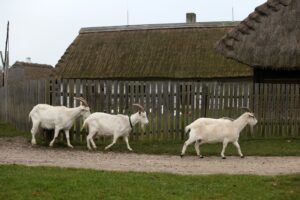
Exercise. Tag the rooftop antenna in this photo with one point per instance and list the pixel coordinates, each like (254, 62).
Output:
(127, 13)
(232, 11)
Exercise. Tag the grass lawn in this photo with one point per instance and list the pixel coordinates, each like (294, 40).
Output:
(20, 182)
(250, 147)
(7, 130)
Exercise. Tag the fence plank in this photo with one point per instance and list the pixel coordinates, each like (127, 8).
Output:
(183, 108)
(147, 108)
(154, 110)
(78, 86)
(172, 113)
(159, 110)
(177, 109)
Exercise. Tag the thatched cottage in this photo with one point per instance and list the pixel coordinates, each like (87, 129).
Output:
(268, 40)
(151, 52)
(21, 71)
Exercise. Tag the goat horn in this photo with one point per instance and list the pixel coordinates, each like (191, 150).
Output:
(141, 108)
(247, 109)
(81, 99)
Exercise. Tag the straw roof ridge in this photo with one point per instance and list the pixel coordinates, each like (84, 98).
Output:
(267, 38)
(21, 71)
(29, 64)
(158, 26)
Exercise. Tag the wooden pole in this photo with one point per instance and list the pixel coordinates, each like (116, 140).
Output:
(2, 59)
(5, 66)
(2, 70)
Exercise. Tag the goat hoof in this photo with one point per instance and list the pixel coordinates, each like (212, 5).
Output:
(242, 156)
(201, 156)
(70, 146)
(223, 157)
(181, 155)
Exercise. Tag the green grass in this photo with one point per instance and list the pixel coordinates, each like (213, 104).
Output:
(8, 130)
(250, 147)
(20, 182)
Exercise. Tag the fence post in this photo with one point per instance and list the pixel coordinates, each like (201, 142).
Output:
(204, 100)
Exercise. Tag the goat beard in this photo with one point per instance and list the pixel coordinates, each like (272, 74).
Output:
(143, 127)
(251, 129)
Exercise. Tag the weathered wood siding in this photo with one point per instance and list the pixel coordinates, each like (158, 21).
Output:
(170, 105)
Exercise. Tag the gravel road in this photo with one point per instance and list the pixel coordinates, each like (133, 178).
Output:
(19, 151)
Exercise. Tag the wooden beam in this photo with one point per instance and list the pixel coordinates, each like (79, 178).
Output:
(6, 51)
(2, 60)
(5, 68)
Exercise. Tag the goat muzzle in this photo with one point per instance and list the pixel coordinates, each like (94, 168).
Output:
(251, 129)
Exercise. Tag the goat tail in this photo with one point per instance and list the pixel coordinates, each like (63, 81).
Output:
(29, 117)
(187, 130)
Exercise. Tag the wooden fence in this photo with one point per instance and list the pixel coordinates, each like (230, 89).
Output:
(170, 105)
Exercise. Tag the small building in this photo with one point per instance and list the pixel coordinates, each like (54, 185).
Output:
(268, 40)
(151, 52)
(21, 71)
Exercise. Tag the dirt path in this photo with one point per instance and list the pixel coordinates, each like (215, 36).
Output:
(19, 151)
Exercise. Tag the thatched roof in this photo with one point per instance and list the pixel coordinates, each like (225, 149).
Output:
(150, 51)
(267, 38)
(20, 71)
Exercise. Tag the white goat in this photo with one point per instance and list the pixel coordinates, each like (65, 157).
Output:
(57, 118)
(113, 125)
(206, 130)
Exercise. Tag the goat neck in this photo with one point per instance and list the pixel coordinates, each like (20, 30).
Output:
(135, 118)
(74, 112)
(241, 122)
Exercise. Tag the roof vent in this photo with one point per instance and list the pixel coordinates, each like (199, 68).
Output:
(190, 18)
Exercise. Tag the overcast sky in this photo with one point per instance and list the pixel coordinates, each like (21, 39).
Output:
(43, 29)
